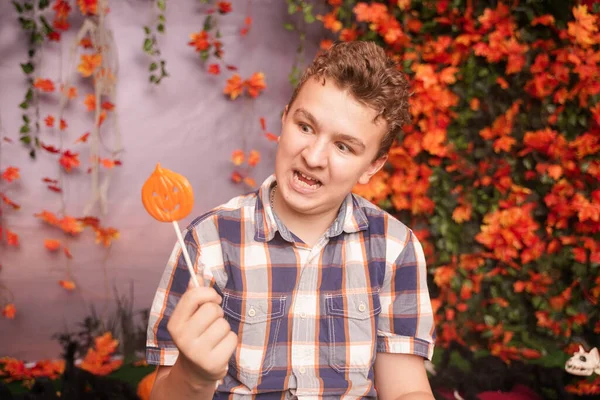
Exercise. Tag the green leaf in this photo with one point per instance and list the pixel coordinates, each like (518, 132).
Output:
(207, 23)
(27, 68)
(18, 7)
(152, 78)
(29, 95)
(24, 105)
(147, 45)
(25, 118)
(160, 28)
(24, 129)
(153, 66)
(43, 4)
(146, 30)
(292, 7)
(161, 4)
(288, 26)
(32, 153)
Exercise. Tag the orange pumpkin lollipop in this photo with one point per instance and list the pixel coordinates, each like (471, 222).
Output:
(168, 197)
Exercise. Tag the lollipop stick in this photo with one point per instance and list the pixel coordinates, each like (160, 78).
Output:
(185, 254)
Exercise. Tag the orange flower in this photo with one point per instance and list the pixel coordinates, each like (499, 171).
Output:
(11, 174)
(462, 213)
(89, 63)
(253, 158)
(52, 244)
(236, 177)
(376, 189)
(69, 160)
(330, 21)
(63, 124)
(325, 44)
(256, 84)
(67, 285)
(98, 359)
(45, 85)
(234, 87)
(9, 311)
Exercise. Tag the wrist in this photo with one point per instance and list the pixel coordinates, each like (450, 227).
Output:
(190, 380)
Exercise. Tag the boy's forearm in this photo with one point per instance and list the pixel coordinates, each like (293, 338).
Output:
(178, 385)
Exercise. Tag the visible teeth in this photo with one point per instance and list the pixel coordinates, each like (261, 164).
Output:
(307, 177)
(304, 184)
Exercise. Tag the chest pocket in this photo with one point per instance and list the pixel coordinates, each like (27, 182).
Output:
(351, 321)
(257, 322)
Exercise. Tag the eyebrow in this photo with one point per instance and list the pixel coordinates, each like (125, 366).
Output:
(311, 118)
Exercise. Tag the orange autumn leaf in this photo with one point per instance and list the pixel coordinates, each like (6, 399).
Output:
(236, 177)
(199, 41)
(107, 105)
(98, 359)
(105, 236)
(12, 239)
(250, 182)
(70, 225)
(45, 85)
(9, 202)
(63, 124)
(67, 253)
(234, 87)
(71, 92)
(107, 163)
(237, 157)
(49, 121)
(224, 7)
(83, 138)
(89, 63)
(547, 20)
(462, 213)
(11, 174)
(271, 137)
(88, 7)
(9, 311)
(47, 217)
(90, 102)
(67, 285)
(253, 158)
(256, 84)
(52, 244)
(101, 117)
(585, 26)
(214, 69)
(69, 160)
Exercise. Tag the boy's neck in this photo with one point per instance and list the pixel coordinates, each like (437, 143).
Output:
(308, 227)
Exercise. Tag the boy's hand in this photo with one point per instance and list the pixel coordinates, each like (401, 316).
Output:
(203, 337)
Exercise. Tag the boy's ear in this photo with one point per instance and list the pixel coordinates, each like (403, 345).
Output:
(285, 111)
(372, 170)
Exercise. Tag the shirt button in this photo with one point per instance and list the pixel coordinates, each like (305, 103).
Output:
(362, 307)
(303, 315)
(251, 312)
(302, 370)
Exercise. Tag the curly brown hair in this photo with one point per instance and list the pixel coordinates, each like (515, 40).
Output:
(373, 79)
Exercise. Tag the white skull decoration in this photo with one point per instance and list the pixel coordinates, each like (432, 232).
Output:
(583, 363)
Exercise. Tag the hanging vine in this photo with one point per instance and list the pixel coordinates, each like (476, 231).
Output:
(157, 67)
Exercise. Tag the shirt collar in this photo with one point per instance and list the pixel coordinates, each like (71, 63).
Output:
(351, 218)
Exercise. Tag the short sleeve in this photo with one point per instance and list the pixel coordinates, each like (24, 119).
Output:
(406, 323)
(202, 244)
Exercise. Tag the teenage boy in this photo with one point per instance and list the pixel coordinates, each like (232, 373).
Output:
(310, 291)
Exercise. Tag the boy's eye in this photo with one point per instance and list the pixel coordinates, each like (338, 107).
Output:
(304, 128)
(343, 147)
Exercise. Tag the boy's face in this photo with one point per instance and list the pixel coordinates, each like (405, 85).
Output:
(328, 143)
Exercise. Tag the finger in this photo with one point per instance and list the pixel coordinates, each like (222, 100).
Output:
(223, 351)
(192, 300)
(203, 318)
(215, 333)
